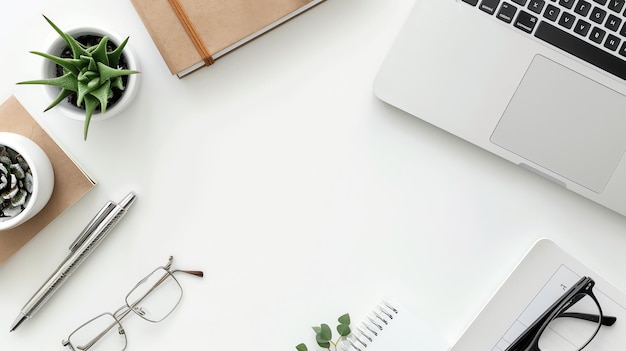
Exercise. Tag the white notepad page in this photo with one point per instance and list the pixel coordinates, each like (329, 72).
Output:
(391, 327)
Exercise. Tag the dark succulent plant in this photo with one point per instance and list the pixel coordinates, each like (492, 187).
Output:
(16, 182)
(90, 74)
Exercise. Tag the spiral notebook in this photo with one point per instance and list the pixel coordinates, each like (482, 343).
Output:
(390, 327)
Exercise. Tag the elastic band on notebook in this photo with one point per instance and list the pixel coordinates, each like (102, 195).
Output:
(191, 31)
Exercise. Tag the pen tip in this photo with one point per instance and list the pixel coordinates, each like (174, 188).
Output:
(20, 319)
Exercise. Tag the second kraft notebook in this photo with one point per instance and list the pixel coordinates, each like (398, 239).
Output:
(191, 34)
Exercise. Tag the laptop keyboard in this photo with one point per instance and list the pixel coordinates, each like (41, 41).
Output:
(592, 30)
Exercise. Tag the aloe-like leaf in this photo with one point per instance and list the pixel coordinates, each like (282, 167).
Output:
(102, 94)
(75, 46)
(87, 76)
(83, 90)
(91, 103)
(114, 56)
(118, 83)
(62, 95)
(100, 51)
(106, 72)
(66, 81)
(90, 63)
(71, 65)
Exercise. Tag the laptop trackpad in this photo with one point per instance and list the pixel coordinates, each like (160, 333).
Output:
(565, 122)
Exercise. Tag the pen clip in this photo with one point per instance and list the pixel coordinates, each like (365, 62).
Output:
(93, 224)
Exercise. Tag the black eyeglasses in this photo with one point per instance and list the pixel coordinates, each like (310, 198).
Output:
(569, 324)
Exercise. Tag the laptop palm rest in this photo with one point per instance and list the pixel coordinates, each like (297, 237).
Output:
(565, 123)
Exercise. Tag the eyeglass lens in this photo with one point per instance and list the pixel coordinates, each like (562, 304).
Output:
(573, 328)
(103, 333)
(155, 296)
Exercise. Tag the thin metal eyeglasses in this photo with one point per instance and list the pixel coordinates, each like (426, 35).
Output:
(154, 298)
(569, 324)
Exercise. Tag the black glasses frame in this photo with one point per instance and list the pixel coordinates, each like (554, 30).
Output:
(529, 339)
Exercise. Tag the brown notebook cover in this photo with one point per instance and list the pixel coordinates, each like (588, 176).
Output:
(218, 26)
(70, 181)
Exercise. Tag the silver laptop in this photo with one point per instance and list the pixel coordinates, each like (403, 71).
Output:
(538, 82)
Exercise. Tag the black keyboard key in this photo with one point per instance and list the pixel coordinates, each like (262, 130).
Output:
(597, 35)
(471, 2)
(525, 21)
(507, 12)
(520, 2)
(551, 13)
(536, 6)
(567, 20)
(582, 8)
(623, 31)
(616, 5)
(489, 6)
(567, 3)
(622, 49)
(579, 48)
(613, 22)
(597, 15)
(582, 27)
(601, 2)
(612, 42)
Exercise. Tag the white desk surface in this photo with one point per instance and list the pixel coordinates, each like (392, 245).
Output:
(281, 175)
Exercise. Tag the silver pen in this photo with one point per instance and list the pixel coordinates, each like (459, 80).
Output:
(85, 243)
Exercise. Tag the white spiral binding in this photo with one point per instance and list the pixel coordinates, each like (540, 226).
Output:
(373, 324)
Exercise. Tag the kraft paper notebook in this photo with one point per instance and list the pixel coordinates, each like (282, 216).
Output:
(191, 34)
(537, 281)
(70, 181)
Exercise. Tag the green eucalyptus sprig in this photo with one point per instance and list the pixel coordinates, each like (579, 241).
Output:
(91, 74)
(324, 335)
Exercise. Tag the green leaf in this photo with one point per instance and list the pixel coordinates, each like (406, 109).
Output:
(317, 330)
(66, 81)
(106, 72)
(100, 52)
(325, 333)
(344, 319)
(322, 343)
(301, 347)
(114, 56)
(75, 46)
(343, 329)
(62, 95)
(91, 103)
(71, 65)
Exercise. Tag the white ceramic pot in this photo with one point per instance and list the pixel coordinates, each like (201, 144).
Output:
(130, 91)
(43, 177)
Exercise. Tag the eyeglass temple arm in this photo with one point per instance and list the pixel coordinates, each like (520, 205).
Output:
(606, 320)
(196, 273)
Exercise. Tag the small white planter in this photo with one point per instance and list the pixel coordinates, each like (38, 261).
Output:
(129, 93)
(43, 177)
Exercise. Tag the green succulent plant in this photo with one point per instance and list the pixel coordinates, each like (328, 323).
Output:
(91, 74)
